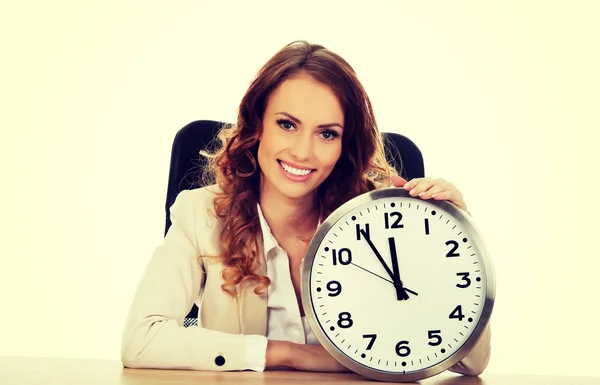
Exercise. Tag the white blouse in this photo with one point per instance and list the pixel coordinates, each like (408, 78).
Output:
(284, 322)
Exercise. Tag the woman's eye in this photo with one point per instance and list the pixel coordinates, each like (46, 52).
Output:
(329, 135)
(285, 124)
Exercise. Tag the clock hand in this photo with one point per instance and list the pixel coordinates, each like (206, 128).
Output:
(368, 271)
(385, 266)
(410, 291)
(385, 279)
(400, 291)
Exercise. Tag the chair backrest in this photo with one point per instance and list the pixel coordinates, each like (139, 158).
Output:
(187, 164)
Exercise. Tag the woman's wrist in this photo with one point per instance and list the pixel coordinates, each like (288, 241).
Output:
(278, 354)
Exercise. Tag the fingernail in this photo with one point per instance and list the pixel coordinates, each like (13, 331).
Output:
(406, 186)
(413, 192)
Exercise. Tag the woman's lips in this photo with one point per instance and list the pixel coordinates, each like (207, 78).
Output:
(294, 177)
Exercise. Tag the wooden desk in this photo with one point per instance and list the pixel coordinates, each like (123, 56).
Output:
(57, 371)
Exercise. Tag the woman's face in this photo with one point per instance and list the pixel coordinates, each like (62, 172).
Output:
(301, 137)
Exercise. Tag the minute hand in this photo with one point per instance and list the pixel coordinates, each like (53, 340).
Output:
(401, 294)
(385, 266)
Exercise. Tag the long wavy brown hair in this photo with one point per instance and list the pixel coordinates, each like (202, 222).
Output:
(234, 168)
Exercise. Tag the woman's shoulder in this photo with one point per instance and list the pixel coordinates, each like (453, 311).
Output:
(200, 197)
(197, 207)
(199, 201)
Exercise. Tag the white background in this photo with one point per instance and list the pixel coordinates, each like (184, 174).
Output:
(502, 99)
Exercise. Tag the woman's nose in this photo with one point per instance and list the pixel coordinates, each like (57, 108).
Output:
(301, 147)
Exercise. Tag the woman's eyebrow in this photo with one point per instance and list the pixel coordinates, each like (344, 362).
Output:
(297, 121)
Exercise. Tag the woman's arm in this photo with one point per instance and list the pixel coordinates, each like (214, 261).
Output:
(278, 354)
(154, 336)
(310, 358)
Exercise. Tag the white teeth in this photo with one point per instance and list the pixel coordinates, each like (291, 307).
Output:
(294, 171)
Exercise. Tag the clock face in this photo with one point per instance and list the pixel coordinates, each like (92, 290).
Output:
(394, 286)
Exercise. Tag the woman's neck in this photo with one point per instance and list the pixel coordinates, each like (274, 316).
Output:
(290, 218)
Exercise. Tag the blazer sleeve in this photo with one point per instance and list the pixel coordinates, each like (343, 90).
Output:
(154, 335)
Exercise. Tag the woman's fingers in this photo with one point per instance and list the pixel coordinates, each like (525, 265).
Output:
(420, 185)
(435, 188)
(398, 181)
(453, 196)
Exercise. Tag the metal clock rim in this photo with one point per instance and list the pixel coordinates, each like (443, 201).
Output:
(330, 221)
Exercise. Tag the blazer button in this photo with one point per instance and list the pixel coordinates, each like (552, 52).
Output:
(220, 361)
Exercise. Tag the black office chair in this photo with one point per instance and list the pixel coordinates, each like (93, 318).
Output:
(185, 171)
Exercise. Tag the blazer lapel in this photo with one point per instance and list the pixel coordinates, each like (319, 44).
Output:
(253, 307)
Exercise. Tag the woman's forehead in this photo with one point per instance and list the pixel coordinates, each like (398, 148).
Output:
(304, 97)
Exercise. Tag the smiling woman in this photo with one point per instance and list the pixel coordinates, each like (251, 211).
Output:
(296, 156)
(305, 142)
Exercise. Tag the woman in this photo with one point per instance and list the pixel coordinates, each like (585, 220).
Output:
(305, 142)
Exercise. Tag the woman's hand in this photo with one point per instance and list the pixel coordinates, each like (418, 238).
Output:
(314, 358)
(430, 188)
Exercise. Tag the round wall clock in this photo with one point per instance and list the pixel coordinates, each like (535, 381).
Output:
(397, 288)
